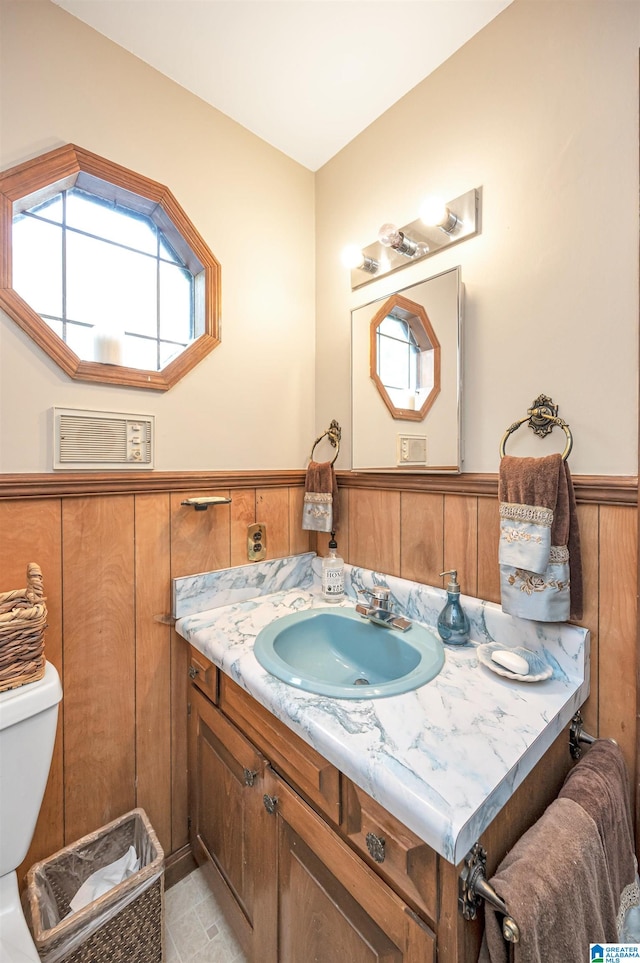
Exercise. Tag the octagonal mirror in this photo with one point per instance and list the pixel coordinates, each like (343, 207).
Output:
(405, 358)
(405, 378)
(104, 270)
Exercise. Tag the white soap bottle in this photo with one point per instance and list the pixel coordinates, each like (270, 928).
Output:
(333, 574)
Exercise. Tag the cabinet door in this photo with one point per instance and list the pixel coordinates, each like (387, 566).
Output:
(330, 905)
(231, 832)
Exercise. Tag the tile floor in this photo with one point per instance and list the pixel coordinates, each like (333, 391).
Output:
(195, 929)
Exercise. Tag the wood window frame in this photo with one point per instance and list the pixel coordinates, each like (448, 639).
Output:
(31, 183)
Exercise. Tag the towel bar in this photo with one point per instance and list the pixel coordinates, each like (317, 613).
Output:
(473, 888)
(542, 417)
(334, 434)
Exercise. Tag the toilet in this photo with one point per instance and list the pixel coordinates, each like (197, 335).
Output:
(28, 716)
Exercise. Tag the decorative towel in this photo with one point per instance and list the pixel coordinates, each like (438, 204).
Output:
(320, 509)
(539, 549)
(600, 784)
(556, 887)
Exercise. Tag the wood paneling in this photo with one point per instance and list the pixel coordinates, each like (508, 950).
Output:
(114, 540)
(461, 540)
(374, 530)
(243, 514)
(31, 533)
(422, 536)
(272, 510)
(99, 661)
(153, 662)
(617, 652)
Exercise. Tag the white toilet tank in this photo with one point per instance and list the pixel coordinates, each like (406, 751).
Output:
(28, 716)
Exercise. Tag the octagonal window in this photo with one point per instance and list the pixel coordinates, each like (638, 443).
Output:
(405, 358)
(106, 272)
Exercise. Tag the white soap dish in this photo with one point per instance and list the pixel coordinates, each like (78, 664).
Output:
(539, 668)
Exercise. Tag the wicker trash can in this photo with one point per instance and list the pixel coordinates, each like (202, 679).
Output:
(125, 924)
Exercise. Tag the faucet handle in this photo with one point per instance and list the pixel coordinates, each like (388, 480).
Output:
(380, 596)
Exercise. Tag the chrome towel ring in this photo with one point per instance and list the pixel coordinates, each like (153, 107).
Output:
(542, 417)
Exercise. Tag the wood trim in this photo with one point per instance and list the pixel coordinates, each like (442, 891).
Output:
(47, 485)
(598, 489)
(590, 489)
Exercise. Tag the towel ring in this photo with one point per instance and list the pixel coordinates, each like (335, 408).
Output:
(542, 417)
(334, 434)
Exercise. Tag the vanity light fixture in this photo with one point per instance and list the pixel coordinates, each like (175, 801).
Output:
(439, 225)
(435, 213)
(390, 236)
(354, 258)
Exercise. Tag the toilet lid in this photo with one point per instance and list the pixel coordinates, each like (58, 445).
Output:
(30, 699)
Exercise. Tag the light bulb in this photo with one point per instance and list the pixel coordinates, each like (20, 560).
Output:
(390, 236)
(353, 259)
(435, 213)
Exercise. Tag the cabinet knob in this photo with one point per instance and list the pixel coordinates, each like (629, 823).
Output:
(192, 672)
(270, 803)
(249, 776)
(375, 845)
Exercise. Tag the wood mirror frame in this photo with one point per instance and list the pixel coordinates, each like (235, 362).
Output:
(31, 183)
(418, 320)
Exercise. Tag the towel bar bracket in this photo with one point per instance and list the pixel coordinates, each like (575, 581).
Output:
(577, 735)
(473, 889)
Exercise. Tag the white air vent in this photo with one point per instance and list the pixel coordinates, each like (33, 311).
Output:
(102, 439)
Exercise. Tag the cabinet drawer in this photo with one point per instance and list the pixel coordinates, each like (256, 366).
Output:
(397, 854)
(203, 673)
(316, 779)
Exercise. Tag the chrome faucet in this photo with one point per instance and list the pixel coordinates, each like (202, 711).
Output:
(379, 610)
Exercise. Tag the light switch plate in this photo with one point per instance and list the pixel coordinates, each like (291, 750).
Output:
(256, 542)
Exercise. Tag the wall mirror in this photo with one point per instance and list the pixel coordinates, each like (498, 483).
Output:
(406, 378)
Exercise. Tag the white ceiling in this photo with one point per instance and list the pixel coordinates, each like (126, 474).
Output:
(306, 76)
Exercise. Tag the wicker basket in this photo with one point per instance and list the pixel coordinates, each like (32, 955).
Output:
(23, 619)
(125, 924)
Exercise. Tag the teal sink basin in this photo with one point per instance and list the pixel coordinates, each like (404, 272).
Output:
(336, 652)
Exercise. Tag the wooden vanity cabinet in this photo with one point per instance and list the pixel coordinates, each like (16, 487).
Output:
(330, 905)
(229, 827)
(305, 865)
(291, 887)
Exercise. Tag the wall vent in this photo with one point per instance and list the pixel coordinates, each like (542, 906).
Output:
(102, 440)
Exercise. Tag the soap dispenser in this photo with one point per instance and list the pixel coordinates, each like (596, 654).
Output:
(453, 624)
(333, 574)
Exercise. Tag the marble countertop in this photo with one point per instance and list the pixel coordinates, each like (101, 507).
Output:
(443, 759)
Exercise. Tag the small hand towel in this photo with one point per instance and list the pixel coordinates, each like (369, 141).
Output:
(556, 887)
(539, 549)
(320, 509)
(600, 784)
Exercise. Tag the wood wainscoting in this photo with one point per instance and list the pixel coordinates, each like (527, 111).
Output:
(110, 543)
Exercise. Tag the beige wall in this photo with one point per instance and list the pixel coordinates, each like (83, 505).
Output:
(248, 404)
(540, 110)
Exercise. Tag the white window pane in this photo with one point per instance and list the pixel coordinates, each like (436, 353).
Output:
(51, 209)
(80, 339)
(37, 264)
(394, 328)
(110, 287)
(393, 363)
(140, 353)
(86, 213)
(175, 303)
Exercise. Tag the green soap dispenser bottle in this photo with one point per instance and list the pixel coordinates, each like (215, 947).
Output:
(453, 624)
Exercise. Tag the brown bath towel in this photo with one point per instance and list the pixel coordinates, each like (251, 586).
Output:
(600, 784)
(527, 488)
(556, 886)
(320, 511)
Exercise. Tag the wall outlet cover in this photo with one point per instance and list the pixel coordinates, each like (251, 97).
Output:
(256, 542)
